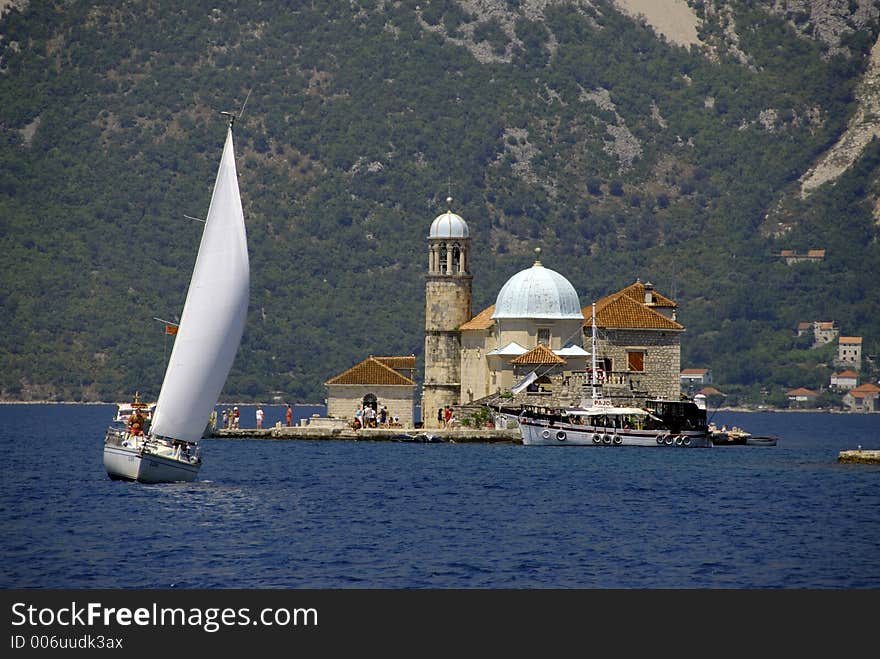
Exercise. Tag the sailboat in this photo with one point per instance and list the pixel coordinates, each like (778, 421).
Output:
(208, 337)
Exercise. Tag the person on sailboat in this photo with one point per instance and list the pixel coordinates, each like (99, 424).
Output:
(136, 423)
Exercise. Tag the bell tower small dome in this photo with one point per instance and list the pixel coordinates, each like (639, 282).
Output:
(448, 225)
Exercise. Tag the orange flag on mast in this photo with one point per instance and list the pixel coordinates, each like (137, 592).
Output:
(171, 329)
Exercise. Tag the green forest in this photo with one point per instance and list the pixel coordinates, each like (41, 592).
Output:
(580, 131)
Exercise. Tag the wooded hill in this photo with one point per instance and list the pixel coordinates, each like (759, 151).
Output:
(561, 125)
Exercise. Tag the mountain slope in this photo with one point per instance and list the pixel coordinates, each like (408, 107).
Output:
(565, 125)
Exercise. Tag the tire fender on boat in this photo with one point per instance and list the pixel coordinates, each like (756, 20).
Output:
(668, 439)
(661, 438)
(679, 440)
(597, 438)
(686, 441)
(545, 434)
(560, 435)
(606, 438)
(617, 439)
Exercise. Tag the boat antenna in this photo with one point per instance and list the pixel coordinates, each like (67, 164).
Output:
(593, 348)
(231, 117)
(197, 219)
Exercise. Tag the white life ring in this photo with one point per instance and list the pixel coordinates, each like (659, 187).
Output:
(617, 439)
(597, 438)
(545, 434)
(560, 435)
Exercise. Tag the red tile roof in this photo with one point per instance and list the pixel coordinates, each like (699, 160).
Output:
(867, 389)
(373, 371)
(540, 354)
(398, 363)
(481, 321)
(802, 392)
(637, 292)
(710, 391)
(620, 311)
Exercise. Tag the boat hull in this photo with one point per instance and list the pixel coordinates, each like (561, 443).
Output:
(537, 433)
(129, 459)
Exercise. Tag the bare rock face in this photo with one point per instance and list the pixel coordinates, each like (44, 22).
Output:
(862, 127)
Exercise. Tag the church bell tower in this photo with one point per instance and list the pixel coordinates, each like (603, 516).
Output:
(447, 307)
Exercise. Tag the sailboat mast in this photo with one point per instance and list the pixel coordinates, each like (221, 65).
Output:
(593, 344)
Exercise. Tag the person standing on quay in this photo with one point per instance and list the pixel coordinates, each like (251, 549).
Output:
(259, 416)
(289, 415)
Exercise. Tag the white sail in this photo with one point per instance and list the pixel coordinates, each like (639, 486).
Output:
(213, 315)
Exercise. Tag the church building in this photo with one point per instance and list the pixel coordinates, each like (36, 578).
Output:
(535, 342)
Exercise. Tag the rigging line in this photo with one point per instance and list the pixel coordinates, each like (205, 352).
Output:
(243, 105)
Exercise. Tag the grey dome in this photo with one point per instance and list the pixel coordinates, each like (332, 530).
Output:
(448, 225)
(538, 292)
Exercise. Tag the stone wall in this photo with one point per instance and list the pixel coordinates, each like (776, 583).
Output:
(447, 306)
(662, 350)
(344, 399)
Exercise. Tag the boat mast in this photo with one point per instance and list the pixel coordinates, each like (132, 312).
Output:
(593, 345)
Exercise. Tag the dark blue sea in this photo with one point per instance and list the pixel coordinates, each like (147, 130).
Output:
(350, 515)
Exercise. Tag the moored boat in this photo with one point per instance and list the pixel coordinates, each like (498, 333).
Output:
(661, 424)
(600, 422)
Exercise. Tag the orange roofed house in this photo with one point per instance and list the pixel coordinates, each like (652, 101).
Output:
(802, 395)
(849, 351)
(374, 382)
(864, 398)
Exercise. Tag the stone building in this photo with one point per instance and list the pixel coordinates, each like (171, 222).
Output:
(849, 351)
(639, 344)
(536, 341)
(864, 398)
(374, 382)
(535, 307)
(822, 331)
(447, 307)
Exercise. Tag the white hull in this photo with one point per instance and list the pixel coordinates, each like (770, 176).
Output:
(540, 433)
(127, 458)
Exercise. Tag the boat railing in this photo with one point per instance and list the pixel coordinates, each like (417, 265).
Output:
(588, 379)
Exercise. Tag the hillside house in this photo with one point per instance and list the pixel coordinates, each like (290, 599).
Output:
(822, 331)
(844, 380)
(790, 256)
(864, 398)
(849, 351)
(802, 396)
(690, 377)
